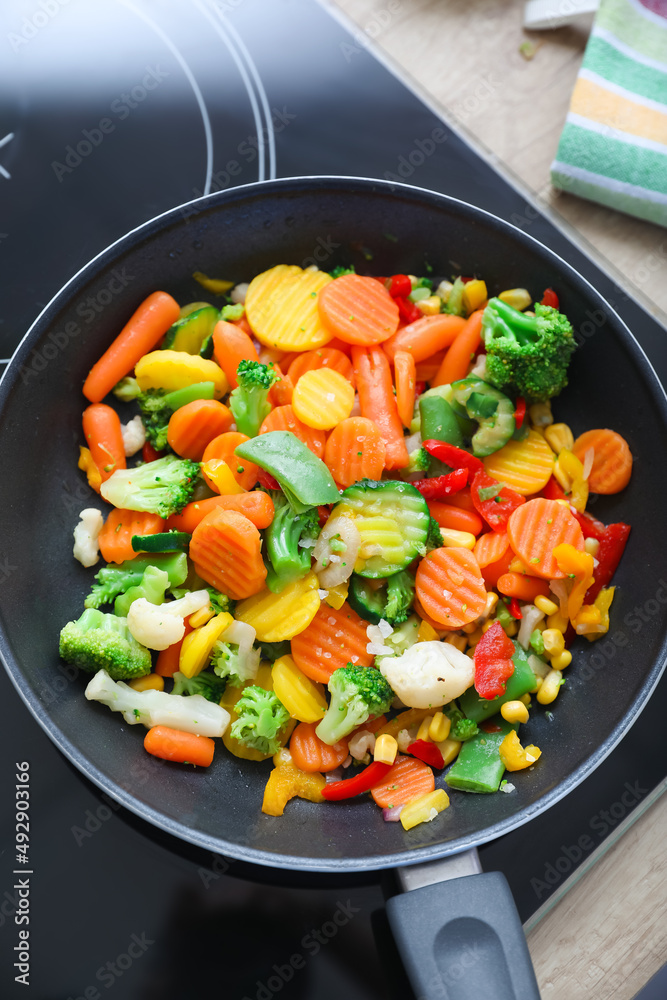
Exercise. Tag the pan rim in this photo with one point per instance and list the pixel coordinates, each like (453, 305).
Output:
(352, 185)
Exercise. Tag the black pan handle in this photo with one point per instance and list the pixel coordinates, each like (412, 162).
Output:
(462, 939)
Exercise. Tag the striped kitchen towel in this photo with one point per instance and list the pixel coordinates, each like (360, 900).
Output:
(613, 149)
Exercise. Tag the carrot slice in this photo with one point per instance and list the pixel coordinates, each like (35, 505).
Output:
(283, 418)
(457, 360)
(226, 551)
(524, 588)
(174, 744)
(323, 357)
(193, 426)
(355, 450)
(256, 506)
(333, 639)
(143, 331)
(425, 336)
(536, 527)
(612, 460)
(490, 547)
(405, 376)
(377, 401)
(104, 438)
(408, 779)
(310, 753)
(455, 518)
(450, 587)
(115, 538)
(281, 392)
(358, 310)
(231, 345)
(223, 447)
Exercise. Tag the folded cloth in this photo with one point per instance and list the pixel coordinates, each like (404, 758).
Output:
(613, 148)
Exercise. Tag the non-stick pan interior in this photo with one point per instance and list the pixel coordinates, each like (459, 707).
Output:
(382, 229)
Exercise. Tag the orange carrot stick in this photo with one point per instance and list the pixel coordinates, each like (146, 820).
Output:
(425, 336)
(494, 570)
(223, 447)
(405, 376)
(357, 310)
(104, 438)
(141, 333)
(377, 401)
(408, 779)
(450, 587)
(612, 460)
(192, 427)
(231, 345)
(168, 659)
(355, 450)
(185, 748)
(455, 518)
(340, 633)
(257, 507)
(524, 588)
(310, 753)
(115, 538)
(457, 360)
(280, 393)
(226, 551)
(283, 418)
(536, 528)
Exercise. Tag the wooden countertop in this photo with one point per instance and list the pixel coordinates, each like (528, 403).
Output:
(606, 937)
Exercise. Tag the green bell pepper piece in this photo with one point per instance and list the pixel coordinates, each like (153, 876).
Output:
(303, 477)
(478, 767)
(438, 421)
(522, 680)
(492, 409)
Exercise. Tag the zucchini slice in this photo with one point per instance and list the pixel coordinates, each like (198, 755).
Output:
(189, 332)
(392, 518)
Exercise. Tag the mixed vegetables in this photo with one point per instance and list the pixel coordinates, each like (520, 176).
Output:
(354, 540)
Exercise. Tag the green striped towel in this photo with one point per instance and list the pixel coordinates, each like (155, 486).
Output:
(613, 149)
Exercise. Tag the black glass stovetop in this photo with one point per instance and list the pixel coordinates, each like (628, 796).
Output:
(110, 113)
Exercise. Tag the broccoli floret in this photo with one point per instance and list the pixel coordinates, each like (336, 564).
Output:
(434, 539)
(419, 460)
(357, 693)
(400, 595)
(261, 716)
(98, 641)
(127, 389)
(152, 586)
(287, 560)
(461, 729)
(274, 650)
(162, 487)
(248, 402)
(527, 355)
(220, 602)
(205, 683)
(340, 269)
(155, 415)
(235, 663)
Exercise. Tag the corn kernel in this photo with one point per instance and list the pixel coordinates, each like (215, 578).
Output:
(425, 725)
(487, 625)
(151, 682)
(518, 298)
(554, 643)
(557, 621)
(386, 749)
(561, 661)
(550, 687)
(514, 711)
(439, 728)
(474, 294)
(511, 629)
(201, 617)
(474, 637)
(460, 642)
(426, 633)
(457, 539)
(592, 546)
(490, 606)
(540, 414)
(430, 306)
(469, 628)
(544, 604)
(424, 808)
(449, 750)
(526, 699)
(558, 437)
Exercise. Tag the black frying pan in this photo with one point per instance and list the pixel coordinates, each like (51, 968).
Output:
(382, 229)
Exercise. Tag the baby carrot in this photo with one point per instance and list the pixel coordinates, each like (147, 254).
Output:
(457, 360)
(104, 438)
(283, 418)
(425, 336)
(185, 748)
(193, 426)
(256, 506)
(455, 518)
(280, 393)
(377, 401)
(231, 345)
(524, 588)
(405, 378)
(141, 333)
(536, 528)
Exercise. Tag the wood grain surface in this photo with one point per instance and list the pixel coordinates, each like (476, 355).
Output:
(608, 934)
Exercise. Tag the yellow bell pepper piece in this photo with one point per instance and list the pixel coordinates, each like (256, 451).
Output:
(216, 285)
(231, 695)
(602, 603)
(198, 645)
(424, 808)
(426, 633)
(87, 465)
(220, 477)
(281, 616)
(474, 294)
(171, 370)
(578, 566)
(150, 682)
(286, 781)
(337, 596)
(304, 699)
(449, 749)
(514, 756)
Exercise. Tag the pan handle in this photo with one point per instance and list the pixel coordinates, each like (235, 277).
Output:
(461, 939)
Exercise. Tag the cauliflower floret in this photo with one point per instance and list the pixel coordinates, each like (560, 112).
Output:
(160, 625)
(86, 548)
(429, 674)
(238, 293)
(134, 436)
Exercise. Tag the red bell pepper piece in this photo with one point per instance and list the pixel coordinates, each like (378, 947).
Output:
(428, 752)
(612, 545)
(553, 491)
(515, 610)
(419, 388)
(455, 458)
(362, 782)
(407, 310)
(550, 298)
(489, 726)
(266, 480)
(590, 527)
(149, 454)
(493, 662)
(399, 285)
(520, 412)
(440, 487)
(496, 509)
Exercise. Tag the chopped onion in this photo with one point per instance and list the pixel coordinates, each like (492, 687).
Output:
(559, 590)
(392, 815)
(332, 776)
(588, 463)
(532, 616)
(507, 786)
(538, 666)
(375, 649)
(385, 628)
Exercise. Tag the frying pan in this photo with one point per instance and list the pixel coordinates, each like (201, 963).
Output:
(382, 229)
